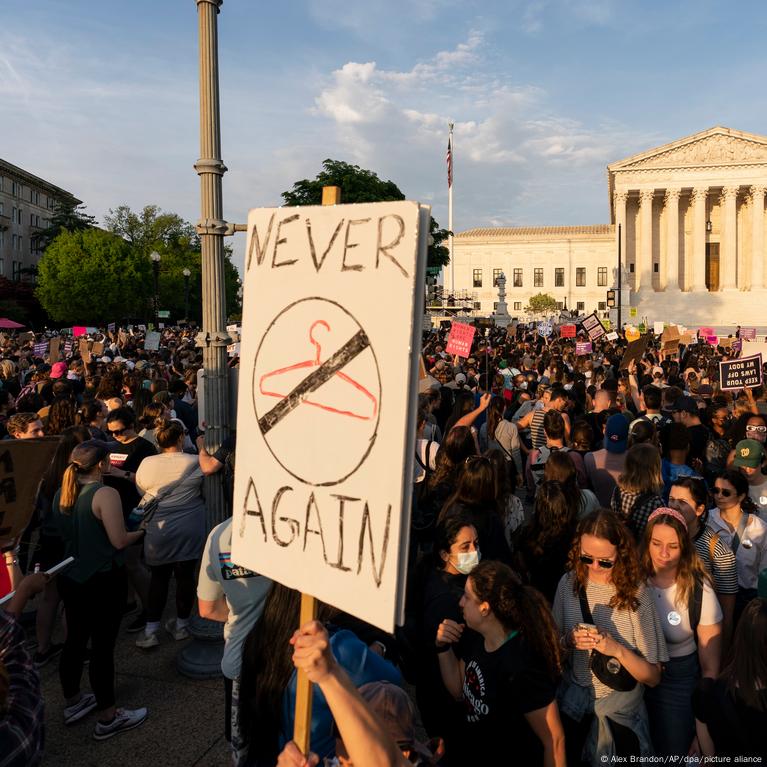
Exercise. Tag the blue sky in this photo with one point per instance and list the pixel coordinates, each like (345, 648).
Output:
(100, 96)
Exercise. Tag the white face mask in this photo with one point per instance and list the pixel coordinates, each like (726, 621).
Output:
(467, 561)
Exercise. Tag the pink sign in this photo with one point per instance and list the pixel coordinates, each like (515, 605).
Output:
(460, 339)
(713, 340)
(79, 330)
(748, 333)
(567, 331)
(705, 332)
(583, 347)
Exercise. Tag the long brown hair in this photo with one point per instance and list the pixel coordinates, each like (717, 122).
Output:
(746, 673)
(641, 473)
(690, 567)
(554, 518)
(625, 574)
(454, 450)
(85, 457)
(519, 607)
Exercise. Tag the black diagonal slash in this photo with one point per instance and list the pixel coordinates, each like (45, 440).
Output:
(351, 349)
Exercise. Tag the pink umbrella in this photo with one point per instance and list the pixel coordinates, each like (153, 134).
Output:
(9, 324)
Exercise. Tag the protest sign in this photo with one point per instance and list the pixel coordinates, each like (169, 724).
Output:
(612, 336)
(152, 341)
(712, 340)
(22, 464)
(633, 311)
(737, 374)
(54, 350)
(670, 333)
(85, 349)
(460, 339)
(79, 330)
(658, 328)
(97, 349)
(583, 347)
(634, 351)
(705, 332)
(544, 329)
(737, 345)
(323, 480)
(632, 334)
(687, 339)
(593, 327)
(25, 337)
(567, 331)
(754, 347)
(606, 323)
(41, 348)
(669, 348)
(69, 346)
(111, 327)
(748, 334)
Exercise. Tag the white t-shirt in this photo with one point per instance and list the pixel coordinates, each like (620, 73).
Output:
(675, 617)
(430, 460)
(758, 494)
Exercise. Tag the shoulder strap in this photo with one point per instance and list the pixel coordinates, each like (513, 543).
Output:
(712, 541)
(585, 611)
(696, 605)
(736, 539)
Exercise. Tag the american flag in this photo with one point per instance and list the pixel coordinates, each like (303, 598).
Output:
(449, 159)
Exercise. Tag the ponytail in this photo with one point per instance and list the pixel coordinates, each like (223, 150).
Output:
(69, 489)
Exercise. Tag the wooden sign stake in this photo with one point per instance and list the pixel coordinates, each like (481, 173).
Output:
(302, 721)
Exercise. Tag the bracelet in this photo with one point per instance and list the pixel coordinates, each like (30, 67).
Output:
(443, 648)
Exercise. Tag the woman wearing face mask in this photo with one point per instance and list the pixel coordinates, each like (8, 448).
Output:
(692, 624)
(747, 426)
(688, 496)
(505, 672)
(456, 554)
(608, 622)
(740, 528)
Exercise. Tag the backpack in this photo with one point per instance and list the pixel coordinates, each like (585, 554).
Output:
(422, 516)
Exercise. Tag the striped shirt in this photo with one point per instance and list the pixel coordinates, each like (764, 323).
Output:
(537, 435)
(639, 630)
(751, 556)
(722, 569)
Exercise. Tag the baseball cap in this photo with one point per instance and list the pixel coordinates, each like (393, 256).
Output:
(616, 434)
(748, 453)
(58, 369)
(460, 378)
(685, 404)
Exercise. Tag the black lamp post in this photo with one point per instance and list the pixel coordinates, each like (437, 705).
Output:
(186, 274)
(155, 256)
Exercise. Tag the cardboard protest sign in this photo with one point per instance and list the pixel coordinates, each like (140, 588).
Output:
(583, 347)
(152, 341)
(567, 331)
(85, 349)
(687, 339)
(634, 351)
(54, 350)
(705, 332)
(748, 334)
(669, 348)
(460, 339)
(658, 328)
(25, 337)
(22, 464)
(98, 349)
(737, 374)
(670, 333)
(612, 336)
(593, 327)
(323, 480)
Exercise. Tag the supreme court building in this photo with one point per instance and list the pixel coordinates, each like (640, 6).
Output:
(692, 240)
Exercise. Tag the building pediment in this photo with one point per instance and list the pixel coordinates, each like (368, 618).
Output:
(715, 147)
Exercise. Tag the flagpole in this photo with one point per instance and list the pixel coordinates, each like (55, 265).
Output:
(450, 206)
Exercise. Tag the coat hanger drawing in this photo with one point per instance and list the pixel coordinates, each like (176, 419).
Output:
(364, 413)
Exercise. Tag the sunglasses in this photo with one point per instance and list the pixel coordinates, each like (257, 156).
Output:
(605, 564)
(724, 492)
(116, 432)
(758, 429)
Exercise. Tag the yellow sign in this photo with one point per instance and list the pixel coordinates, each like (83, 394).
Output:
(632, 333)
(633, 311)
(606, 323)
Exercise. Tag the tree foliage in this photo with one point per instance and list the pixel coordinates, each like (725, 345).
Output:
(360, 185)
(542, 303)
(69, 215)
(92, 277)
(19, 303)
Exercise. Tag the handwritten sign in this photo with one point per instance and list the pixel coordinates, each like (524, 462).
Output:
(583, 347)
(749, 334)
(737, 374)
(593, 327)
(705, 332)
(658, 328)
(460, 339)
(612, 336)
(567, 331)
(323, 481)
(152, 341)
(545, 329)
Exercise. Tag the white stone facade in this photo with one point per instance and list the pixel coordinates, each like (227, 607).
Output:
(692, 223)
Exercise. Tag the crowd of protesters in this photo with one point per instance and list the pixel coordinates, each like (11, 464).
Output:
(587, 574)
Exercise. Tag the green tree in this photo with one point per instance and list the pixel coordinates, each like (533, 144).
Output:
(18, 302)
(69, 215)
(178, 244)
(92, 277)
(360, 185)
(542, 303)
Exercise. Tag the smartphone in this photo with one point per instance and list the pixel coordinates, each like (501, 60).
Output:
(587, 627)
(63, 565)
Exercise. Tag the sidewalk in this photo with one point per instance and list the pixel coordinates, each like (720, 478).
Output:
(185, 723)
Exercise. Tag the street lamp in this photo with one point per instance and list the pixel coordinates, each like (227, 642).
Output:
(155, 256)
(186, 274)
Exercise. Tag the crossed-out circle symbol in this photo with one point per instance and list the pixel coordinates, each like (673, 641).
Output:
(317, 391)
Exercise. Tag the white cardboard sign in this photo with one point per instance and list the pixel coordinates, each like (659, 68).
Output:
(152, 341)
(326, 411)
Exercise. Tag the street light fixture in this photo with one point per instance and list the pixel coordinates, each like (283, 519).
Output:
(186, 274)
(155, 256)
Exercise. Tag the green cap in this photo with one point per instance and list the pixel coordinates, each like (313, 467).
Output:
(748, 453)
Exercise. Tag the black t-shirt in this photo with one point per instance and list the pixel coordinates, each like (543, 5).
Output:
(127, 457)
(698, 441)
(499, 688)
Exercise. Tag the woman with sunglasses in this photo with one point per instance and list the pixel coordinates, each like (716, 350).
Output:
(735, 522)
(603, 608)
(747, 426)
(505, 671)
(692, 624)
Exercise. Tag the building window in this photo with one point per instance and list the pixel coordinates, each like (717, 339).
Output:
(580, 306)
(560, 306)
(2, 267)
(602, 277)
(15, 189)
(496, 274)
(2, 238)
(537, 278)
(580, 277)
(477, 305)
(559, 278)
(602, 306)
(631, 268)
(655, 268)
(517, 306)
(517, 278)
(477, 278)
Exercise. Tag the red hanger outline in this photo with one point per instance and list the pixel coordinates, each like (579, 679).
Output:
(313, 363)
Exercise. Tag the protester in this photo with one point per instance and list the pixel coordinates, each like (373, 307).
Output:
(637, 493)
(749, 456)
(604, 466)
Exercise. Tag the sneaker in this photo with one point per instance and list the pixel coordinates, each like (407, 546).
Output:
(83, 707)
(177, 633)
(125, 719)
(138, 624)
(41, 658)
(148, 641)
